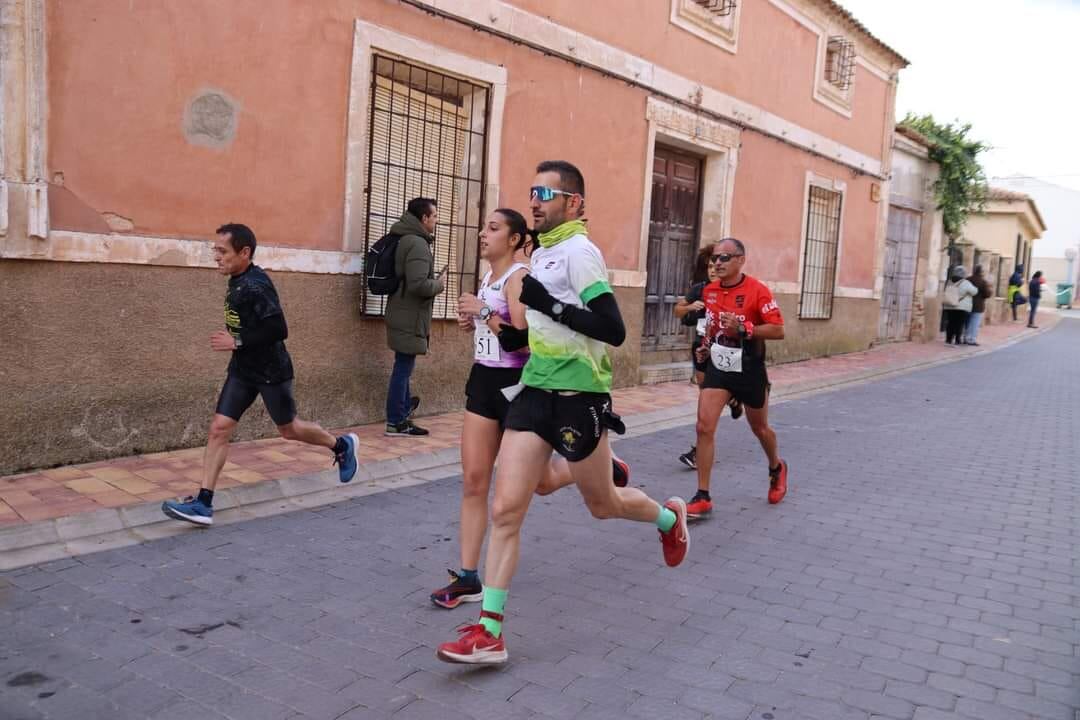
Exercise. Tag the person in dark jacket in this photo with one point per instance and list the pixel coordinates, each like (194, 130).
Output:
(978, 306)
(1034, 293)
(409, 309)
(259, 366)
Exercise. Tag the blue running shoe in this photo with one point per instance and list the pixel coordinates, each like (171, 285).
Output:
(348, 461)
(190, 510)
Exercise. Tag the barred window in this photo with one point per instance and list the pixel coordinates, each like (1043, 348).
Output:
(428, 136)
(840, 62)
(820, 253)
(720, 8)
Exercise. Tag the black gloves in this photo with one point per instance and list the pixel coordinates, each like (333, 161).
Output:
(536, 296)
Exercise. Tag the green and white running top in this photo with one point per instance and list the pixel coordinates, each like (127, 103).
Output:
(573, 271)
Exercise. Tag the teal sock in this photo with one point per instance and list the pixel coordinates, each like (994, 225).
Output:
(666, 520)
(494, 602)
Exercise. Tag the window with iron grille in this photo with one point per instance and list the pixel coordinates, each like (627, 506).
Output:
(428, 136)
(720, 8)
(715, 21)
(840, 62)
(820, 253)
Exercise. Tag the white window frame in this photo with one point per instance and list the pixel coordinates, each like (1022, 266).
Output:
(369, 40)
(721, 31)
(837, 186)
(825, 92)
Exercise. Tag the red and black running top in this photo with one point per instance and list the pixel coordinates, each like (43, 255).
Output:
(751, 301)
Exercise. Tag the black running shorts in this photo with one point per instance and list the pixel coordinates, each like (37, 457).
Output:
(483, 391)
(237, 395)
(750, 387)
(571, 424)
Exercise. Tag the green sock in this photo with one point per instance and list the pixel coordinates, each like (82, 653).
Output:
(666, 520)
(494, 602)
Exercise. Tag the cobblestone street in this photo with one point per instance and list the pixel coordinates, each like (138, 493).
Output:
(922, 566)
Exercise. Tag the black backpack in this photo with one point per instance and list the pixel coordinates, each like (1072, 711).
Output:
(379, 266)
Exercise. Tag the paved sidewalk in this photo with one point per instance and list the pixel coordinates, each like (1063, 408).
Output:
(132, 481)
(923, 567)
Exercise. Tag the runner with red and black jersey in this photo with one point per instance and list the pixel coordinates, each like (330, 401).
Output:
(740, 315)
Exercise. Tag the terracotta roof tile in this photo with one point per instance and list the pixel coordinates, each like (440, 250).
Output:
(996, 193)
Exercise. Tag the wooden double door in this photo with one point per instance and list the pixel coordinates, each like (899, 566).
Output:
(674, 218)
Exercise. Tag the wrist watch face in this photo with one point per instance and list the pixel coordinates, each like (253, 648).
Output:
(485, 312)
(557, 308)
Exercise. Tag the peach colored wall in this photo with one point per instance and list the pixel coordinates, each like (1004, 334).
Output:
(770, 189)
(121, 75)
(773, 68)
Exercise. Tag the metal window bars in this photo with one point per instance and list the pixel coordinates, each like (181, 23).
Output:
(840, 61)
(820, 254)
(428, 138)
(720, 8)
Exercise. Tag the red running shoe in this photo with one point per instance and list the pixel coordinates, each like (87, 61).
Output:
(676, 541)
(620, 474)
(474, 646)
(777, 483)
(698, 507)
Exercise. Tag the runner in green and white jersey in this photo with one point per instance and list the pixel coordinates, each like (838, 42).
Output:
(564, 403)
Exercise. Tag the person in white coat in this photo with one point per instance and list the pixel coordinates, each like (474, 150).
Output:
(959, 292)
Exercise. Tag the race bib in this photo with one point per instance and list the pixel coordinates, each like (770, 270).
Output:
(487, 345)
(701, 327)
(726, 359)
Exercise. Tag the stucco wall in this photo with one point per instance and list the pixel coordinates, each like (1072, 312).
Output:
(773, 68)
(769, 208)
(994, 233)
(853, 327)
(105, 360)
(120, 81)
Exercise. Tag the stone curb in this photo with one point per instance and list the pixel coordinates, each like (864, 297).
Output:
(111, 528)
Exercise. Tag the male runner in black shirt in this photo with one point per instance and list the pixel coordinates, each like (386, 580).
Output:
(260, 365)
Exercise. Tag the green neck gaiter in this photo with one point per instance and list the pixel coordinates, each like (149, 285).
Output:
(566, 230)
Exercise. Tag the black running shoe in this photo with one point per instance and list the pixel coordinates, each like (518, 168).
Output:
(458, 591)
(689, 459)
(405, 429)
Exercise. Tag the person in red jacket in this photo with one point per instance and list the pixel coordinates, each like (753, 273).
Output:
(741, 315)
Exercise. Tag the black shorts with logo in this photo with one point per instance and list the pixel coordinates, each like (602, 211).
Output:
(571, 423)
(237, 394)
(750, 387)
(483, 391)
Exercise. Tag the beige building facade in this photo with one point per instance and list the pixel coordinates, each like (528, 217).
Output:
(1001, 238)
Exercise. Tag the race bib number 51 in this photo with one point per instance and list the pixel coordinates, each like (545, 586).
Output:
(726, 359)
(487, 345)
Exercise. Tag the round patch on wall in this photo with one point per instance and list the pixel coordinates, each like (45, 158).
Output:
(210, 119)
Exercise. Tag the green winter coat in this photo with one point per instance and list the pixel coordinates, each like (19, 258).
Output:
(409, 309)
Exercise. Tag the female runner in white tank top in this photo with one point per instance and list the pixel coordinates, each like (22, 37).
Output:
(504, 244)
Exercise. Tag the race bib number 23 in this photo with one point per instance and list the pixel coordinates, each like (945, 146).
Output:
(726, 359)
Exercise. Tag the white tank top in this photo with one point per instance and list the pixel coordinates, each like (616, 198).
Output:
(487, 351)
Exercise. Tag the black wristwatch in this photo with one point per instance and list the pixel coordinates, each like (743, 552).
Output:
(485, 313)
(557, 309)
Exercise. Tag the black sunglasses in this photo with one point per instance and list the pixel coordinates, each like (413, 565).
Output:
(724, 257)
